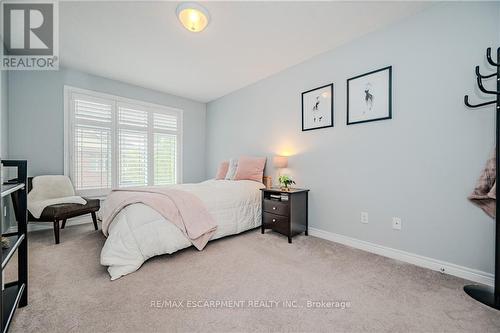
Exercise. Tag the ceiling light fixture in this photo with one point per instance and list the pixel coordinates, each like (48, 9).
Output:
(193, 16)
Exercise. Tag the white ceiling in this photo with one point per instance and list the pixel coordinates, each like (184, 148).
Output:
(143, 43)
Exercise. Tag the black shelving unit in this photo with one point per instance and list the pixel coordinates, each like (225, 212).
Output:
(14, 293)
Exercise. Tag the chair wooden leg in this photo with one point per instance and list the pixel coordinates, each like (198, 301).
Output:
(56, 231)
(94, 219)
(63, 224)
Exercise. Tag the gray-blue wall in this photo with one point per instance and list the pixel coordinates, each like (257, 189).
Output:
(36, 114)
(4, 94)
(419, 166)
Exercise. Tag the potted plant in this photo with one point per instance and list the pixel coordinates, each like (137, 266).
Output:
(285, 182)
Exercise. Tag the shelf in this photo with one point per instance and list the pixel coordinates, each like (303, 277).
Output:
(15, 293)
(279, 190)
(10, 188)
(10, 300)
(7, 253)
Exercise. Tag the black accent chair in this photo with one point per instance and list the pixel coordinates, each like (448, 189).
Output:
(62, 212)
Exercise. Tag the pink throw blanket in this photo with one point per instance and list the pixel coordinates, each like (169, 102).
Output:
(183, 209)
(484, 194)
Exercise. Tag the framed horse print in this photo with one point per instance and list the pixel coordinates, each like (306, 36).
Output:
(369, 96)
(317, 108)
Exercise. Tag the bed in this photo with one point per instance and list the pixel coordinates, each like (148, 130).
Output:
(139, 232)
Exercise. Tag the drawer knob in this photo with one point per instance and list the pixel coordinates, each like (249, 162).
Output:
(274, 208)
(274, 220)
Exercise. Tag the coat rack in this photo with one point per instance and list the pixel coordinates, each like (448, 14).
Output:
(486, 295)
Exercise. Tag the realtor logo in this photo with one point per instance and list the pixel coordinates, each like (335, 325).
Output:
(30, 35)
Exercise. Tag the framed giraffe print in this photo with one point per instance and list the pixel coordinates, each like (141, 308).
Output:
(317, 108)
(369, 96)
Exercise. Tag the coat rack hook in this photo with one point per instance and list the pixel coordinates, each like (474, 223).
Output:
(478, 74)
(466, 101)
(483, 89)
(488, 56)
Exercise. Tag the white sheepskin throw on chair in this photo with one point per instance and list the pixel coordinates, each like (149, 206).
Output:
(51, 190)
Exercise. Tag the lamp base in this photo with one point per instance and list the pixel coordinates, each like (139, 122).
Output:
(483, 294)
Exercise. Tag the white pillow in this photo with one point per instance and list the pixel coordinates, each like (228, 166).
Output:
(231, 171)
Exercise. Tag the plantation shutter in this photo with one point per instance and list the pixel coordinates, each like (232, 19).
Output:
(114, 142)
(92, 139)
(132, 146)
(165, 128)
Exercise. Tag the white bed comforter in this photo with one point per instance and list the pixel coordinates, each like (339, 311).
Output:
(138, 232)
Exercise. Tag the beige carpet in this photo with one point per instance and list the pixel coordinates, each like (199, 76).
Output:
(71, 292)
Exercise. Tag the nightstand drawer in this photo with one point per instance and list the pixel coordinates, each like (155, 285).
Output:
(276, 207)
(277, 222)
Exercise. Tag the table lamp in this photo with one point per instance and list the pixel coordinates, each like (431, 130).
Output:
(280, 162)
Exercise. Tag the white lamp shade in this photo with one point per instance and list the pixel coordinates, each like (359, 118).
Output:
(280, 162)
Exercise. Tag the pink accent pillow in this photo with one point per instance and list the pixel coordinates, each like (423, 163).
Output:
(250, 168)
(222, 171)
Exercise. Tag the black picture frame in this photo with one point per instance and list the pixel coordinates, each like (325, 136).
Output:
(331, 107)
(389, 116)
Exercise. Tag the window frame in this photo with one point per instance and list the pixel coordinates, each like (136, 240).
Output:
(150, 108)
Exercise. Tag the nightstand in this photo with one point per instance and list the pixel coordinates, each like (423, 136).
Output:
(285, 211)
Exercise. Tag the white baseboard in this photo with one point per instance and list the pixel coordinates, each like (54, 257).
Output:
(415, 259)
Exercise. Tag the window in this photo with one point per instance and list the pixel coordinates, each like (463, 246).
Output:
(112, 142)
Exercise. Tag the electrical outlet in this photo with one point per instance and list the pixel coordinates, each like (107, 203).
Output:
(364, 217)
(396, 223)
